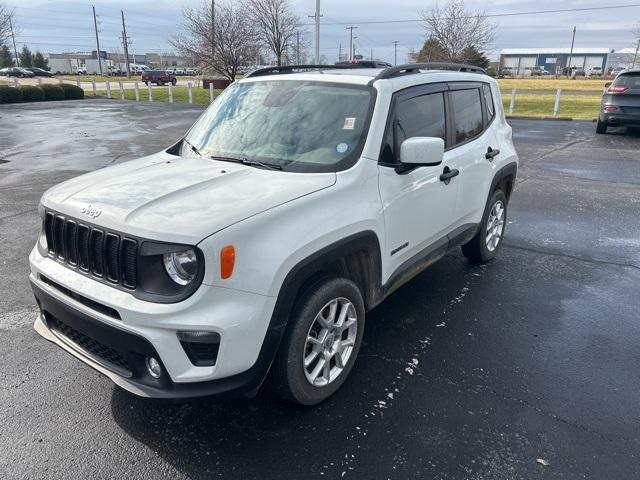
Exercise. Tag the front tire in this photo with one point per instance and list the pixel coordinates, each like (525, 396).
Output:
(485, 244)
(322, 341)
(601, 127)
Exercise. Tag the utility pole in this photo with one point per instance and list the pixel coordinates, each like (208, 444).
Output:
(635, 55)
(317, 19)
(350, 28)
(395, 51)
(571, 52)
(371, 56)
(126, 45)
(15, 50)
(297, 47)
(339, 52)
(95, 25)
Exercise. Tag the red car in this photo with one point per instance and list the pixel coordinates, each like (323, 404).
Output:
(159, 77)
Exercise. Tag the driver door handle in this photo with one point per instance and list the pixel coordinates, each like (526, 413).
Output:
(491, 153)
(448, 174)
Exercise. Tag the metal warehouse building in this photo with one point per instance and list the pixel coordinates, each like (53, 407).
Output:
(522, 60)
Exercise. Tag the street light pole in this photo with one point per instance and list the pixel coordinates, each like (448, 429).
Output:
(126, 46)
(317, 19)
(13, 37)
(635, 55)
(395, 52)
(573, 39)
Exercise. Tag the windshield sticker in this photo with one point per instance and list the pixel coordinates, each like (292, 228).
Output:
(342, 147)
(349, 123)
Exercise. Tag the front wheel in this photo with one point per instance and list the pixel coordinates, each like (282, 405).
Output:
(160, 83)
(322, 341)
(484, 245)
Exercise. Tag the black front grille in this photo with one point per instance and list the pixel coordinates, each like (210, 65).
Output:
(90, 249)
(110, 357)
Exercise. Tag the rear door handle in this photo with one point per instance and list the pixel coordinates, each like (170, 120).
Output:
(491, 153)
(448, 174)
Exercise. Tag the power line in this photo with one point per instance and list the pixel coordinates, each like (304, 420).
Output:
(492, 15)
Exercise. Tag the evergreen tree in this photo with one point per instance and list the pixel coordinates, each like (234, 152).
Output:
(26, 58)
(39, 61)
(432, 51)
(6, 59)
(472, 56)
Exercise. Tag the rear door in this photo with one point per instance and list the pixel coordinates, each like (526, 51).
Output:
(474, 146)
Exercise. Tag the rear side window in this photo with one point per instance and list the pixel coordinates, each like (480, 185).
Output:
(467, 112)
(488, 98)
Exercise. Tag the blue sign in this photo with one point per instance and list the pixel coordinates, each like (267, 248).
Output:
(103, 54)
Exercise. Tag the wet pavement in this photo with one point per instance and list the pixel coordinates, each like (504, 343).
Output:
(465, 372)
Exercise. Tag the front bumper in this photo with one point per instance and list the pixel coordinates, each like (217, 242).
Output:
(118, 348)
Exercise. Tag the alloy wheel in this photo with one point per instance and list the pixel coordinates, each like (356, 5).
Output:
(495, 225)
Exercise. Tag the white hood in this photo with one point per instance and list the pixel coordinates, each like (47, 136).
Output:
(176, 199)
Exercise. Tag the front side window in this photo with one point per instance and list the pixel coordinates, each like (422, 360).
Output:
(421, 116)
(467, 112)
(301, 126)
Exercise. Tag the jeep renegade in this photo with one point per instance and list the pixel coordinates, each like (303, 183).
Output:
(252, 249)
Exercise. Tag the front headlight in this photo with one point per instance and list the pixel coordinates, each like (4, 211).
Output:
(182, 266)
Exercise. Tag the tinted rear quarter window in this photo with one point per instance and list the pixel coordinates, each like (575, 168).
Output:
(488, 98)
(467, 112)
(631, 80)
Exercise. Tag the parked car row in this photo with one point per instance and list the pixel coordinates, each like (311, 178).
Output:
(181, 71)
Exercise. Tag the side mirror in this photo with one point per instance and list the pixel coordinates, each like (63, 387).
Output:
(607, 85)
(421, 152)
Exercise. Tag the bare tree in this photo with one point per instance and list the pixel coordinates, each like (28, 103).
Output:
(277, 25)
(455, 28)
(234, 41)
(6, 14)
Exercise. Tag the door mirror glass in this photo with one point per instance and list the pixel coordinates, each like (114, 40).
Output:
(422, 151)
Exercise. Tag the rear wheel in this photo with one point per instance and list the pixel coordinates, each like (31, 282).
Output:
(484, 245)
(322, 342)
(601, 127)
(160, 83)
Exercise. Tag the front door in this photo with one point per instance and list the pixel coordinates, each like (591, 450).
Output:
(418, 207)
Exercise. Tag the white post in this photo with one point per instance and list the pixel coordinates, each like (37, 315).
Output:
(211, 91)
(135, 86)
(513, 101)
(190, 94)
(39, 80)
(149, 90)
(121, 90)
(78, 81)
(556, 106)
(108, 88)
(15, 81)
(93, 84)
(170, 87)
(60, 81)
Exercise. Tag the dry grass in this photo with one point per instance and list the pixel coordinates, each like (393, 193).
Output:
(579, 107)
(552, 84)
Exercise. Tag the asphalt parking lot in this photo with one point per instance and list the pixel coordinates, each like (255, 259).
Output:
(465, 372)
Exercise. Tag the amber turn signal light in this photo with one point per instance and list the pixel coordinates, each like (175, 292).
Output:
(227, 260)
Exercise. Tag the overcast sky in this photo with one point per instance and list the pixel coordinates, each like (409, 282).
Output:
(58, 26)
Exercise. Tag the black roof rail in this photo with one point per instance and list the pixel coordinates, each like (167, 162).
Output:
(275, 70)
(416, 67)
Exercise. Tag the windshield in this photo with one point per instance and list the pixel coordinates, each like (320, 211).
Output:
(298, 125)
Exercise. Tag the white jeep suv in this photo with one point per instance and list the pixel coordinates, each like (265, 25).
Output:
(253, 247)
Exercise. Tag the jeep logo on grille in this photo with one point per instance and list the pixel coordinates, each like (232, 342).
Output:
(91, 211)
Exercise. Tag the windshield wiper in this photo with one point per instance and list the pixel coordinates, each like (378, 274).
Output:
(249, 163)
(193, 147)
(255, 163)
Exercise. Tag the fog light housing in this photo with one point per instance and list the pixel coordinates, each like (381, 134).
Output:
(201, 347)
(153, 367)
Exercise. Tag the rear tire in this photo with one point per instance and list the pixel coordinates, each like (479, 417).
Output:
(321, 343)
(601, 127)
(160, 83)
(484, 245)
